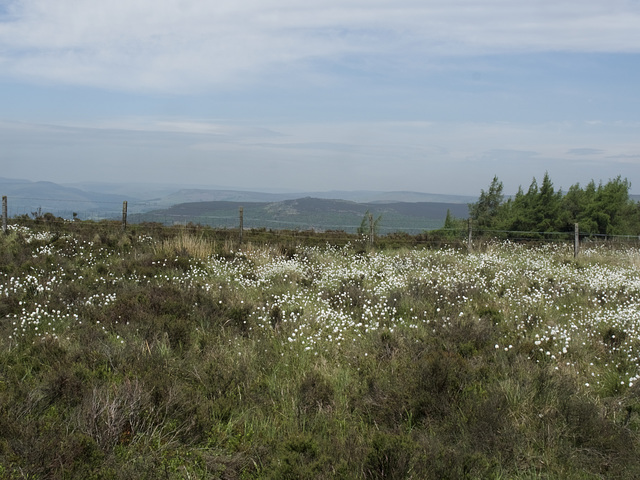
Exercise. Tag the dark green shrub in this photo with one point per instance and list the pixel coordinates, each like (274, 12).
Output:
(316, 394)
(439, 379)
(389, 456)
(297, 459)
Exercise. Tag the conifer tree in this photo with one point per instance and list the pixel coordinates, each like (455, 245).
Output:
(604, 209)
(485, 211)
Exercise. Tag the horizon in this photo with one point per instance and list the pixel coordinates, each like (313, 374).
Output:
(331, 96)
(179, 187)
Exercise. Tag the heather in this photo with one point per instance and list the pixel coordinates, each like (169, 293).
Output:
(169, 353)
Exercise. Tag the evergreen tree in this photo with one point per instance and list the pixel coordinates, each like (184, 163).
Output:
(521, 218)
(449, 223)
(604, 209)
(453, 227)
(588, 210)
(365, 226)
(547, 208)
(485, 211)
(612, 207)
(571, 207)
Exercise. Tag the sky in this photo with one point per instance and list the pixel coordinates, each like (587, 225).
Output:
(283, 95)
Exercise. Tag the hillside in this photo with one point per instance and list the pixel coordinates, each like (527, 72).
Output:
(309, 213)
(188, 195)
(25, 197)
(164, 202)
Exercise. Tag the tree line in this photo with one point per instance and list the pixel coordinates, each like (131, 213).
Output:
(602, 209)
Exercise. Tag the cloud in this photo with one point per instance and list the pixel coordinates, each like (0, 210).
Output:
(189, 127)
(633, 158)
(585, 151)
(504, 155)
(432, 157)
(187, 45)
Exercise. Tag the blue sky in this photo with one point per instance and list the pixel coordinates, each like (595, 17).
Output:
(282, 95)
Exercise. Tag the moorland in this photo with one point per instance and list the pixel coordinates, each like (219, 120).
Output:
(171, 353)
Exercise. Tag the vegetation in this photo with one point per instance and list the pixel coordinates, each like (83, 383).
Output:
(605, 209)
(306, 213)
(167, 353)
(369, 225)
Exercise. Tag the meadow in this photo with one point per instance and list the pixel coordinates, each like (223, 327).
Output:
(175, 356)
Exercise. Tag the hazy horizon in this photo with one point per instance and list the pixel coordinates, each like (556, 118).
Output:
(106, 186)
(325, 96)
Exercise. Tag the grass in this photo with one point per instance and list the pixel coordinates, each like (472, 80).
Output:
(187, 245)
(171, 354)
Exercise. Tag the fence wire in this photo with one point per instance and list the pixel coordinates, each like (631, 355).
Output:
(255, 228)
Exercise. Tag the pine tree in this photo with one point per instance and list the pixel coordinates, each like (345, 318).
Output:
(485, 211)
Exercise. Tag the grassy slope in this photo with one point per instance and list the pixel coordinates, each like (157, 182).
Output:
(307, 213)
(126, 356)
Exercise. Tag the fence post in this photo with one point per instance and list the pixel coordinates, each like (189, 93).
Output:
(4, 214)
(371, 229)
(470, 235)
(241, 213)
(576, 241)
(124, 215)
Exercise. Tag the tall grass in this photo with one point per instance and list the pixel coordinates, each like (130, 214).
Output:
(176, 357)
(186, 244)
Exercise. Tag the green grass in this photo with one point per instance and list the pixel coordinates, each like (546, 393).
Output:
(180, 355)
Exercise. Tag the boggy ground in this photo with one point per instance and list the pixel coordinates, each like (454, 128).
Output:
(145, 356)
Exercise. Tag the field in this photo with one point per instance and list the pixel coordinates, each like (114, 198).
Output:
(148, 355)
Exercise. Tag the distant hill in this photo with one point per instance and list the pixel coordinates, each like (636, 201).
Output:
(393, 197)
(309, 213)
(205, 195)
(189, 195)
(25, 197)
(96, 200)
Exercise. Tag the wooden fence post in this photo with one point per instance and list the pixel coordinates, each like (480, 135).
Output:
(470, 235)
(4, 214)
(371, 230)
(576, 241)
(241, 213)
(124, 215)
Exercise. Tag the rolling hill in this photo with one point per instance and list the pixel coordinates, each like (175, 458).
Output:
(309, 213)
(25, 197)
(412, 212)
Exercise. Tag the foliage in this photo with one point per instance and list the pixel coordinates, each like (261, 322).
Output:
(368, 223)
(486, 210)
(159, 354)
(599, 210)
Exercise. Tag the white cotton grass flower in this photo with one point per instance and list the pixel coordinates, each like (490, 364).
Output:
(328, 298)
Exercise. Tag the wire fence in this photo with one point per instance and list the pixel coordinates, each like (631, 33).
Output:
(115, 217)
(68, 208)
(226, 218)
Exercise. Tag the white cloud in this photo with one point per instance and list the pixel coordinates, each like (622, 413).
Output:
(435, 157)
(181, 45)
(585, 151)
